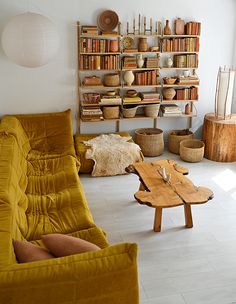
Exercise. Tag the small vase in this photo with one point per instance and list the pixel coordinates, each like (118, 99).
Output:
(187, 109)
(142, 44)
(169, 62)
(169, 93)
(140, 61)
(129, 78)
(167, 29)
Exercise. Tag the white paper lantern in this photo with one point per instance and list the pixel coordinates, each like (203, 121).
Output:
(30, 40)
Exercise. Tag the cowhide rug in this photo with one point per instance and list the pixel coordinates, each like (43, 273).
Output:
(111, 154)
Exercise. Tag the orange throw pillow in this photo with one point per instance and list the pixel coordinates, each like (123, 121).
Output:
(62, 245)
(27, 252)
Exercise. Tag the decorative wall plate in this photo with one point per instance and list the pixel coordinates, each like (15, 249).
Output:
(108, 20)
(128, 42)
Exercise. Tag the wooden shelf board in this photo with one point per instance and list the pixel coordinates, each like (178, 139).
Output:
(138, 117)
(141, 103)
(179, 36)
(183, 100)
(101, 70)
(140, 69)
(147, 53)
(142, 86)
(100, 120)
(179, 85)
(99, 36)
(100, 53)
(178, 52)
(99, 87)
(142, 35)
(180, 116)
(174, 68)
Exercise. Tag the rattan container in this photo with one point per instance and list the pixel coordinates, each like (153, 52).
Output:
(191, 150)
(112, 112)
(175, 137)
(150, 141)
(152, 110)
(129, 112)
(112, 80)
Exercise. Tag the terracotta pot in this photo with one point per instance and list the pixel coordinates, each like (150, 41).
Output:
(169, 93)
(142, 44)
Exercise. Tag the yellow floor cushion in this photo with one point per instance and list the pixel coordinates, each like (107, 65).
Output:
(86, 165)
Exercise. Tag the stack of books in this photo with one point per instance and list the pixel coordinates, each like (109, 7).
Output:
(130, 62)
(130, 50)
(150, 97)
(190, 80)
(89, 30)
(169, 110)
(110, 100)
(92, 113)
(134, 99)
(152, 62)
(186, 61)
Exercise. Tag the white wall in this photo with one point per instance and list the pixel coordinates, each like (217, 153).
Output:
(53, 87)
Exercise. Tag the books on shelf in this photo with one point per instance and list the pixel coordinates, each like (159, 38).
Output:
(110, 100)
(150, 97)
(91, 113)
(190, 80)
(152, 62)
(187, 94)
(170, 110)
(99, 62)
(146, 78)
(186, 61)
(91, 45)
(193, 28)
(180, 44)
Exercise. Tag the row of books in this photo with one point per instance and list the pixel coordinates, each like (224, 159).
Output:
(187, 94)
(89, 30)
(93, 62)
(89, 45)
(146, 78)
(186, 61)
(189, 80)
(180, 45)
(193, 28)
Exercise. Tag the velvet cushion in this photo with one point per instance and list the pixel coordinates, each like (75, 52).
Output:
(27, 252)
(63, 245)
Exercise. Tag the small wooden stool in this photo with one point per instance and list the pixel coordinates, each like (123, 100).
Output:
(163, 185)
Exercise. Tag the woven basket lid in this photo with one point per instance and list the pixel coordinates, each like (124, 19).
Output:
(108, 20)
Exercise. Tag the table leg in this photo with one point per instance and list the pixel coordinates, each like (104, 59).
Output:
(157, 219)
(188, 216)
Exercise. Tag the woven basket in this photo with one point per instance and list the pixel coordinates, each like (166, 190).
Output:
(129, 112)
(152, 110)
(112, 80)
(150, 141)
(191, 150)
(111, 112)
(175, 137)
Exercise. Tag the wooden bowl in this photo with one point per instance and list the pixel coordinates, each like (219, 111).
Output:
(131, 93)
(111, 93)
(169, 80)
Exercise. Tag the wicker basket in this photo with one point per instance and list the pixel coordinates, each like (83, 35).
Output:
(150, 141)
(112, 112)
(191, 150)
(112, 80)
(175, 137)
(129, 112)
(152, 110)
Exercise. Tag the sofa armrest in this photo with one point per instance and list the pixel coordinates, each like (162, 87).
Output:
(105, 276)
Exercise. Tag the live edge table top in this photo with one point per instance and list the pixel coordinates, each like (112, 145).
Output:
(164, 185)
(177, 191)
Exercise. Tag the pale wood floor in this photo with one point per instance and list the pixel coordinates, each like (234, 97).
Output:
(178, 265)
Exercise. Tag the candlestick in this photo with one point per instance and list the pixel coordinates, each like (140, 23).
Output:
(139, 23)
(144, 25)
(150, 25)
(127, 28)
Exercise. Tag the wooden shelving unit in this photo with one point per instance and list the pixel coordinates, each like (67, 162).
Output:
(161, 71)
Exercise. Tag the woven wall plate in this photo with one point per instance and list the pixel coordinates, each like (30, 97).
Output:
(108, 20)
(128, 42)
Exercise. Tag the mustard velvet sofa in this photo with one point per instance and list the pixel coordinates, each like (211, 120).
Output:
(41, 193)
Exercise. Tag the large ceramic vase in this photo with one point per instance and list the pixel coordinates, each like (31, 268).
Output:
(129, 78)
(169, 93)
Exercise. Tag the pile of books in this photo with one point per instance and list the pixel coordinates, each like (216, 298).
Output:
(186, 61)
(89, 30)
(90, 45)
(96, 62)
(91, 113)
(130, 50)
(152, 62)
(130, 62)
(187, 94)
(193, 28)
(170, 110)
(190, 80)
(133, 99)
(180, 45)
(110, 100)
(146, 78)
(150, 97)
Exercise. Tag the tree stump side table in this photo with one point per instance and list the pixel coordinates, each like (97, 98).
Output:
(163, 185)
(219, 136)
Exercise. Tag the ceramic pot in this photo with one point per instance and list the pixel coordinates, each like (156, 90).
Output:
(179, 26)
(114, 46)
(169, 93)
(167, 29)
(187, 109)
(140, 61)
(129, 78)
(142, 44)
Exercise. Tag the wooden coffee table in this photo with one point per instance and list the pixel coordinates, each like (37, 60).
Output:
(163, 185)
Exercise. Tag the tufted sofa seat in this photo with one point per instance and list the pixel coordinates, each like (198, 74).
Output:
(41, 193)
